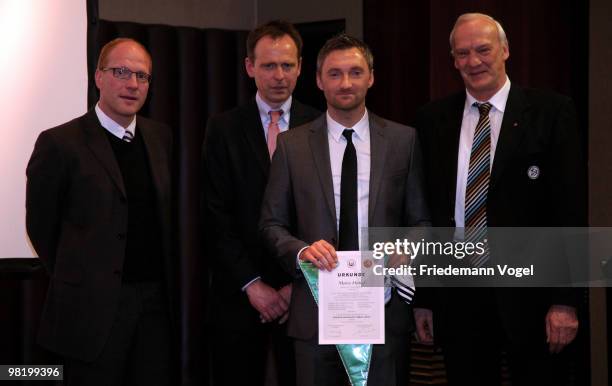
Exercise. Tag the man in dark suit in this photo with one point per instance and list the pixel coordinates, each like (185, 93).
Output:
(345, 171)
(526, 142)
(98, 214)
(250, 293)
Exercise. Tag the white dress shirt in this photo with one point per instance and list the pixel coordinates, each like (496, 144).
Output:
(113, 127)
(468, 126)
(337, 145)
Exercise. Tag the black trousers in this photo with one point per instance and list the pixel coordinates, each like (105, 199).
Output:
(259, 356)
(138, 350)
(320, 365)
(473, 349)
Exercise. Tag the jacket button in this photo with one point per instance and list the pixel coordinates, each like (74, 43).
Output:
(333, 240)
(121, 236)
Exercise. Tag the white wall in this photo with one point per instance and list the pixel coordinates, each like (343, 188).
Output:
(43, 65)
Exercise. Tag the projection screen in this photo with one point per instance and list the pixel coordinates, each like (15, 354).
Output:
(43, 66)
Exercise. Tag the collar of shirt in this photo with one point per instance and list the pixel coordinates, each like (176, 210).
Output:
(113, 127)
(498, 101)
(361, 128)
(264, 109)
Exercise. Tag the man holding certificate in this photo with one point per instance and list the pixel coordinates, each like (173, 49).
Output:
(345, 171)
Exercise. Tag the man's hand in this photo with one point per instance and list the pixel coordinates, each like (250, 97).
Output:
(423, 318)
(285, 293)
(322, 254)
(266, 300)
(396, 260)
(561, 327)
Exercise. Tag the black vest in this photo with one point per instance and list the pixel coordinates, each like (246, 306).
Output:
(144, 249)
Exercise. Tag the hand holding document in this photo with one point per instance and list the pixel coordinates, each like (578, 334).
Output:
(351, 312)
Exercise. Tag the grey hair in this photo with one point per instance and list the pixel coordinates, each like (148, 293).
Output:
(473, 16)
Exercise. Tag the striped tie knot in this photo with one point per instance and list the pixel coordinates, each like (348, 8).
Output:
(128, 136)
(483, 108)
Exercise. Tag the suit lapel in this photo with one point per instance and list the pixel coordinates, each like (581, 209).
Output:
(378, 151)
(447, 141)
(510, 133)
(254, 134)
(99, 145)
(319, 146)
(156, 155)
(298, 116)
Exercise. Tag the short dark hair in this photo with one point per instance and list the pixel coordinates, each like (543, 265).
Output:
(275, 29)
(108, 48)
(344, 42)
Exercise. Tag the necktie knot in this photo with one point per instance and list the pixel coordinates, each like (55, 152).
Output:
(275, 116)
(483, 108)
(128, 136)
(348, 134)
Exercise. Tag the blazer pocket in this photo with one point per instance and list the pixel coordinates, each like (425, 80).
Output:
(397, 173)
(69, 275)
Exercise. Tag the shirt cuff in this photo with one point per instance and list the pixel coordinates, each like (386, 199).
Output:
(251, 282)
(297, 259)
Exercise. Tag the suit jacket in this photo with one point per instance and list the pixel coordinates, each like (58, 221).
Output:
(76, 218)
(236, 167)
(299, 206)
(538, 129)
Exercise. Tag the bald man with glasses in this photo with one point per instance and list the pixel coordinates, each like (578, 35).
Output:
(98, 215)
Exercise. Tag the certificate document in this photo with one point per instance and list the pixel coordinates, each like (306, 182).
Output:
(350, 312)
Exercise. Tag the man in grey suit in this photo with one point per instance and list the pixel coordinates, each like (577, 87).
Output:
(345, 171)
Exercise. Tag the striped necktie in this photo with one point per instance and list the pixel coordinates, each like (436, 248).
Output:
(477, 187)
(128, 136)
(404, 287)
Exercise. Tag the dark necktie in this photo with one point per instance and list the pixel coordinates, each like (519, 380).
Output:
(349, 239)
(477, 187)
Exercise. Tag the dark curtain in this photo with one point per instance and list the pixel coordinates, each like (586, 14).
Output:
(548, 49)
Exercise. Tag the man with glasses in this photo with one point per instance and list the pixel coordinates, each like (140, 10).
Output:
(98, 214)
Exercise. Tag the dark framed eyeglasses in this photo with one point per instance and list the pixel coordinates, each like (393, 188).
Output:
(125, 73)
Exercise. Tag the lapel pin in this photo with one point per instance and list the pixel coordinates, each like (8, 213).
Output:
(515, 124)
(533, 172)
